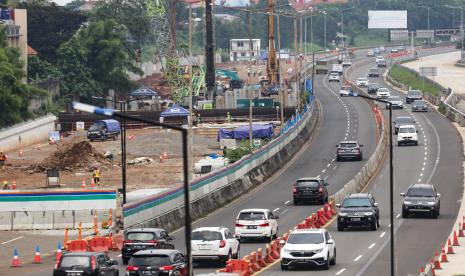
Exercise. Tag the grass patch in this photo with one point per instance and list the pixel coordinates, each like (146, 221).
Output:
(411, 80)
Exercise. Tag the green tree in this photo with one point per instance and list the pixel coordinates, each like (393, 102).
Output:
(38, 68)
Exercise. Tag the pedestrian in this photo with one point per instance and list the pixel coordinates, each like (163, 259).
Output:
(228, 117)
(3, 158)
(96, 176)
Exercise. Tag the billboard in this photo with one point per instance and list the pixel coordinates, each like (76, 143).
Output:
(387, 19)
(425, 33)
(398, 35)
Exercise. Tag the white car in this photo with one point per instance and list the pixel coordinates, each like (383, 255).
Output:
(345, 91)
(346, 62)
(362, 82)
(334, 77)
(256, 223)
(382, 49)
(379, 58)
(407, 134)
(395, 101)
(370, 54)
(308, 246)
(383, 93)
(214, 244)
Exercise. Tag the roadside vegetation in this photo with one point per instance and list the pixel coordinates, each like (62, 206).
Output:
(411, 80)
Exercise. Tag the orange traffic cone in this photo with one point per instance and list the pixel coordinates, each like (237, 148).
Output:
(37, 259)
(15, 262)
(83, 184)
(161, 158)
(461, 235)
(92, 183)
(443, 256)
(165, 155)
(20, 154)
(455, 241)
(13, 186)
(449, 247)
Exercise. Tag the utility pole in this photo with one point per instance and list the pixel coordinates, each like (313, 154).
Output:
(429, 37)
(190, 67)
(324, 25)
(248, 82)
(461, 37)
(342, 28)
(209, 50)
(281, 91)
(296, 56)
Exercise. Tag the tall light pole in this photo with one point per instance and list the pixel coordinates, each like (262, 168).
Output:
(462, 37)
(429, 38)
(248, 82)
(281, 91)
(190, 67)
(342, 25)
(324, 26)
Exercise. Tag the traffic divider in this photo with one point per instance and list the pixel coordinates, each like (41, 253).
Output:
(78, 246)
(260, 261)
(99, 244)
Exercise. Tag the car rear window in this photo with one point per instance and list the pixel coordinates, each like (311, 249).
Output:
(141, 236)
(414, 93)
(149, 260)
(348, 145)
(308, 183)
(419, 103)
(404, 120)
(207, 235)
(420, 192)
(407, 130)
(383, 90)
(305, 238)
(75, 261)
(374, 70)
(356, 202)
(252, 216)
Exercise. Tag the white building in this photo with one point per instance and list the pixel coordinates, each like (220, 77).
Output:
(239, 49)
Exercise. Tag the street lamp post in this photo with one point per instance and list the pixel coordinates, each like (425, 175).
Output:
(429, 38)
(462, 36)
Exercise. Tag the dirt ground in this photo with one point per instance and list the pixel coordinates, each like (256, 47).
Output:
(76, 158)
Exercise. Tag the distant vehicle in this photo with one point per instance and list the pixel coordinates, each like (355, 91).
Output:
(407, 135)
(376, 51)
(383, 93)
(370, 54)
(144, 238)
(334, 76)
(214, 244)
(401, 48)
(346, 62)
(395, 102)
(271, 90)
(394, 50)
(419, 105)
(382, 64)
(402, 120)
(345, 90)
(373, 87)
(382, 49)
(413, 95)
(103, 130)
(358, 210)
(362, 82)
(379, 58)
(373, 72)
(321, 67)
(157, 262)
(86, 264)
(308, 247)
(256, 223)
(349, 150)
(337, 68)
(420, 199)
(310, 189)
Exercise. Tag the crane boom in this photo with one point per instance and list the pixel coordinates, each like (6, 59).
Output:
(272, 66)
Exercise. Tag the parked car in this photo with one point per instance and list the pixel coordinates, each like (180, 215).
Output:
(103, 130)
(373, 87)
(419, 105)
(362, 82)
(144, 238)
(394, 50)
(402, 120)
(157, 262)
(308, 247)
(407, 135)
(420, 199)
(214, 244)
(256, 223)
(310, 189)
(358, 210)
(346, 62)
(395, 102)
(85, 264)
(413, 95)
(349, 150)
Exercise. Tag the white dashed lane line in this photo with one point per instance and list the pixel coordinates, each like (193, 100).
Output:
(276, 209)
(340, 271)
(371, 245)
(382, 234)
(358, 258)
(323, 171)
(287, 202)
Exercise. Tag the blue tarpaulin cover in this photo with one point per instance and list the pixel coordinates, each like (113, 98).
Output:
(175, 111)
(143, 92)
(242, 133)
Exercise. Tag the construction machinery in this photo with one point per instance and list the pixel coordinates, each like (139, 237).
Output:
(272, 68)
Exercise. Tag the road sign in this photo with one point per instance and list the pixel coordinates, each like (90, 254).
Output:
(428, 71)
(425, 33)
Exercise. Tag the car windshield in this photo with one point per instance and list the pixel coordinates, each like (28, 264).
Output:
(97, 127)
(404, 120)
(149, 260)
(382, 89)
(334, 75)
(141, 236)
(420, 192)
(419, 103)
(394, 98)
(345, 88)
(362, 79)
(356, 202)
(414, 93)
(373, 85)
(348, 145)
(206, 235)
(305, 238)
(75, 261)
(407, 130)
(252, 216)
(308, 183)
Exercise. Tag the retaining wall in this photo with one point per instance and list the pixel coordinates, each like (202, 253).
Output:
(26, 133)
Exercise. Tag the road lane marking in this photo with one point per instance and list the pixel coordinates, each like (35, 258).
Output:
(334, 168)
(382, 234)
(419, 180)
(12, 240)
(276, 209)
(287, 202)
(318, 176)
(323, 171)
(358, 258)
(398, 215)
(327, 166)
(332, 160)
(119, 256)
(283, 212)
(340, 271)
(372, 245)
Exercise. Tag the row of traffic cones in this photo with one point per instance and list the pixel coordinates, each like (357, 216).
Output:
(92, 184)
(163, 156)
(5, 185)
(16, 262)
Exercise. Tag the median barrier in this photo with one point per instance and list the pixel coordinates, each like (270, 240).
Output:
(99, 244)
(78, 246)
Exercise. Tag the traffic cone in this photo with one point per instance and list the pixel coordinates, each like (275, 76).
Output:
(443, 256)
(161, 158)
(58, 254)
(437, 264)
(422, 270)
(449, 247)
(83, 184)
(37, 259)
(92, 183)
(165, 155)
(461, 235)
(15, 262)
(455, 241)
(13, 186)
(20, 154)
(65, 238)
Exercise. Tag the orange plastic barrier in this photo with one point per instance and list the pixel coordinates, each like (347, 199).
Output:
(260, 261)
(268, 258)
(254, 261)
(240, 266)
(78, 245)
(99, 244)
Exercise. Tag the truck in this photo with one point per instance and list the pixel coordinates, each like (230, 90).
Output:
(321, 67)
(104, 130)
(337, 68)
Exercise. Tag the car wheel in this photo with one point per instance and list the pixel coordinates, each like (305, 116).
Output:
(116, 273)
(241, 240)
(360, 158)
(377, 221)
(340, 227)
(399, 144)
(374, 225)
(333, 261)
(284, 267)
(404, 213)
(296, 202)
(416, 143)
(125, 261)
(435, 214)
(326, 265)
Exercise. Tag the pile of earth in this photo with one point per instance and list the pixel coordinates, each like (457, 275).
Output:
(72, 156)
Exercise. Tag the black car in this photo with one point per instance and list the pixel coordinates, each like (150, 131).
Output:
(419, 105)
(402, 120)
(358, 210)
(373, 87)
(310, 189)
(349, 150)
(157, 262)
(413, 95)
(421, 199)
(382, 64)
(144, 238)
(85, 264)
(373, 72)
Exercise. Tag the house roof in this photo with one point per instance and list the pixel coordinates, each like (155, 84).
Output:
(31, 51)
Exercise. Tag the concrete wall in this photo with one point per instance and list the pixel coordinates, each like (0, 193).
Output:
(26, 133)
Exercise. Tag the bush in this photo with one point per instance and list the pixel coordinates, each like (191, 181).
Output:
(410, 79)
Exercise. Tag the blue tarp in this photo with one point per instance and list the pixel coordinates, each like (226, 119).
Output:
(143, 92)
(242, 133)
(175, 111)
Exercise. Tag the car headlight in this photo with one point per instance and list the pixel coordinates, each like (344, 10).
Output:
(407, 202)
(287, 250)
(343, 214)
(318, 250)
(431, 203)
(368, 213)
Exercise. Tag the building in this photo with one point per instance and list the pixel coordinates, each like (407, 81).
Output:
(227, 18)
(15, 21)
(239, 49)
